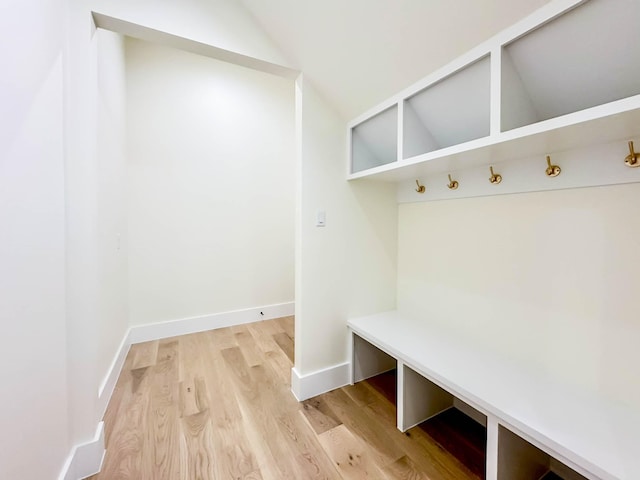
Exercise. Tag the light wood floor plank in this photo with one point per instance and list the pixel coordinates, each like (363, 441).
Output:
(162, 440)
(287, 324)
(365, 425)
(145, 354)
(218, 405)
(285, 342)
(263, 337)
(349, 455)
(120, 397)
(256, 395)
(129, 430)
(249, 347)
(404, 469)
(319, 415)
(281, 364)
(197, 450)
(362, 393)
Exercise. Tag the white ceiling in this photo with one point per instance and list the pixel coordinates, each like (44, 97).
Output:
(360, 52)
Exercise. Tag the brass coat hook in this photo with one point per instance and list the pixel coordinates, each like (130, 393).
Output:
(420, 188)
(552, 170)
(633, 159)
(453, 184)
(495, 178)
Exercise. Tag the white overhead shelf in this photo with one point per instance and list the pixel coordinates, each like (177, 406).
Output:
(589, 56)
(452, 111)
(374, 142)
(565, 78)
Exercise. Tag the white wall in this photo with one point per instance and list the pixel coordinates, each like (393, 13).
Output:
(111, 186)
(211, 185)
(547, 279)
(33, 403)
(63, 279)
(96, 234)
(96, 271)
(56, 207)
(361, 52)
(222, 23)
(95, 215)
(348, 267)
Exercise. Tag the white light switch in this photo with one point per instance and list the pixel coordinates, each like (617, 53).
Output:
(321, 218)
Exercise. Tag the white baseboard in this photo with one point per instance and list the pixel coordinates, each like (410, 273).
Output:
(85, 459)
(109, 383)
(320, 381)
(172, 328)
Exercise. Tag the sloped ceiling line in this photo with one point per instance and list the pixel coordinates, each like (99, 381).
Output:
(360, 52)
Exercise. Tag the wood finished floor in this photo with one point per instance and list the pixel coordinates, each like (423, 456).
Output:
(218, 405)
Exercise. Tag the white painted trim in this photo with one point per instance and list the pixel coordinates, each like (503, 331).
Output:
(109, 383)
(184, 326)
(495, 94)
(400, 394)
(491, 466)
(588, 166)
(321, 381)
(86, 458)
(149, 34)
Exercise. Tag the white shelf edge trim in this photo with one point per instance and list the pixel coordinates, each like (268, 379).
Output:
(598, 165)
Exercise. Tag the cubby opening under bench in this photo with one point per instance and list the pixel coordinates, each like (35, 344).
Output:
(536, 426)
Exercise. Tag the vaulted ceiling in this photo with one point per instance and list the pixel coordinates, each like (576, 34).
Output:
(359, 52)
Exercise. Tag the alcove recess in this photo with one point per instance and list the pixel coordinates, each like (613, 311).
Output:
(452, 111)
(587, 57)
(374, 142)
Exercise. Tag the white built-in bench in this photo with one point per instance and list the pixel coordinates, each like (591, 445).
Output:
(592, 436)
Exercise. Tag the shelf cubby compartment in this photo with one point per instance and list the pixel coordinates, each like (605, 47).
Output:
(520, 460)
(454, 110)
(377, 367)
(420, 399)
(369, 360)
(586, 57)
(374, 142)
(456, 426)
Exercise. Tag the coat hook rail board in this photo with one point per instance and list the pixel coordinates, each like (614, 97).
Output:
(603, 164)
